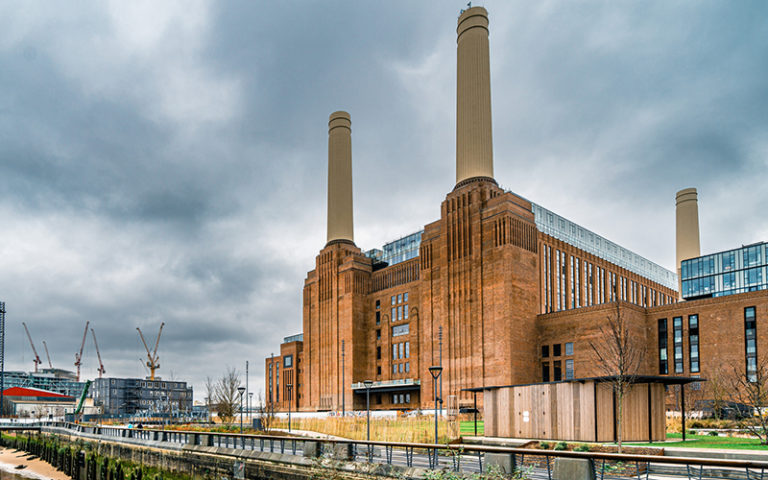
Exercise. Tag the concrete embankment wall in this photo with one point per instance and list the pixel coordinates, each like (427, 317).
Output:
(116, 460)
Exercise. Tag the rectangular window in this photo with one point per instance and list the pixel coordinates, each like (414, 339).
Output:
(378, 370)
(569, 369)
(407, 398)
(394, 398)
(399, 368)
(400, 312)
(407, 349)
(378, 353)
(394, 368)
(557, 371)
(573, 292)
(394, 351)
(569, 348)
(556, 349)
(562, 280)
(394, 314)
(378, 334)
(750, 336)
(394, 300)
(400, 350)
(663, 360)
(400, 298)
(405, 297)
(407, 367)
(557, 270)
(693, 343)
(405, 312)
(378, 318)
(545, 372)
(378, 304)
(544, 351)
(288, 361)
(400, 330)
(578, 283)
(677, 333)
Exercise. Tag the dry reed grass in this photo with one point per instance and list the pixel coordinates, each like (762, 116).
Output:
(401, 429)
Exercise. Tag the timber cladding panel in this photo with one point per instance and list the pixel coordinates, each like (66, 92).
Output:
(574, 411)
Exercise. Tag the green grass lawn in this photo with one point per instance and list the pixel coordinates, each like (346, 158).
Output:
(707, 441)
(468, 428)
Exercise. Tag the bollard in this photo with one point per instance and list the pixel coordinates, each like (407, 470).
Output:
(312, 449)
(503, 461)
(573, 469)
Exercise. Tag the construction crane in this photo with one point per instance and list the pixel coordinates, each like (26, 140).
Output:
(79, 356)
(47, 355)
(101, 369)
(36, 360)
(152, 356)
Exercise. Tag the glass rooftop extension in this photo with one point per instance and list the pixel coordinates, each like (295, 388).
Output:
(398, 251)
(739, 270)
(563, 229)
(299, 337)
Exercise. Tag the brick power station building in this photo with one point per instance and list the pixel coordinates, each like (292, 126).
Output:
(499, 290)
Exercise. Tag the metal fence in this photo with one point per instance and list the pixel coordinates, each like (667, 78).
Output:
(534, 463)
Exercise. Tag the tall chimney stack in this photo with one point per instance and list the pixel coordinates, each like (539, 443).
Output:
(687, 213)
(340, 179)
(474, 146)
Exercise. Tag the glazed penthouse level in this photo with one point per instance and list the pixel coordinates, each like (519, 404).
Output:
(517, 291)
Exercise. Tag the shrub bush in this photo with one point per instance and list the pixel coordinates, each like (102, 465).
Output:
(561, 446)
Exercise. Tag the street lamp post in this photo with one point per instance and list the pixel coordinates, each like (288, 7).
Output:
(289, 386)
(368, 384)
(343, 411)
(241, 390)
(435, 371)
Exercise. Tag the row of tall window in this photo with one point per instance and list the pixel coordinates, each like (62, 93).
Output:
(401, 350)
(401, 367)
(694, 360)
(571, 282)
(398, 398)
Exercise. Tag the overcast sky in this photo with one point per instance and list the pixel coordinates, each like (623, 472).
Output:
(166, 161)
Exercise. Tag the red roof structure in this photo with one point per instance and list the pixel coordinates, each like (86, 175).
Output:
(34, 392)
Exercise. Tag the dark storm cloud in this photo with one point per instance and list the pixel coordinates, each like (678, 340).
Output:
(166, 161)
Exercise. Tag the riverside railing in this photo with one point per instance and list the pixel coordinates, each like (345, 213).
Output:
(535, 463)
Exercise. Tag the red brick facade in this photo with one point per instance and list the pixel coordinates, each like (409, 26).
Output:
(482, 276)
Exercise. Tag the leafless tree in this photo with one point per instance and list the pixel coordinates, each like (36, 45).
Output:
(267, 415)
(226, 397)
(719, 391)
(619, 356)
(751, 389)
(210, 394)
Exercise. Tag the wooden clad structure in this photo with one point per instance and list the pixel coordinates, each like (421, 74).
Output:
(577, 410)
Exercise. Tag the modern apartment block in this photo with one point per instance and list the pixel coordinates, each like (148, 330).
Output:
(120, 396)
(497, 290)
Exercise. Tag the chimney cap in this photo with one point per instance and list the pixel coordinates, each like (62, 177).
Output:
(686, 194)
(470, 18)
(339, 119)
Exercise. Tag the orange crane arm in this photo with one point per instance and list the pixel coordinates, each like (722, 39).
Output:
(47, 355)
(82, 344)
(157, 342)
(149, 355)
(98, 354)
(32, 344)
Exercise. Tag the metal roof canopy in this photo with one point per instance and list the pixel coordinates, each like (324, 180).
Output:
(607, 379)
